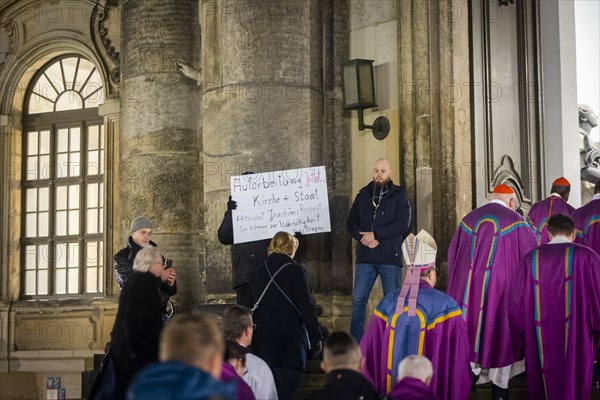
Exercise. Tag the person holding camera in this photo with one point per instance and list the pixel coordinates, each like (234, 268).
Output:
(140, 234)
(285, 316)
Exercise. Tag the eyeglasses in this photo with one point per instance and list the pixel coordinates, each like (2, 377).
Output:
(253, 326)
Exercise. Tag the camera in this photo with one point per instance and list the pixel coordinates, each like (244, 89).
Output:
(168, 263)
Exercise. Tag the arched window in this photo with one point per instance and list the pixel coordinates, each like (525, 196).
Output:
(62, 182)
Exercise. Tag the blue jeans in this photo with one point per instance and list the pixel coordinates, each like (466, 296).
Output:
(364, 278)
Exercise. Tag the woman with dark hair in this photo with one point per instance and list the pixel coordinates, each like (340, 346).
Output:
(285, 314)
(234, 367)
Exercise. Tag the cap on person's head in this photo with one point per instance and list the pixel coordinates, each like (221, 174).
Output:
(503, 189)
(140, 223)
(562, 181)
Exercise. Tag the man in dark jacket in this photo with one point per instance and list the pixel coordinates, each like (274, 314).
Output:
(379, 221)
(245, 257)
(141, 232)
(342, 361)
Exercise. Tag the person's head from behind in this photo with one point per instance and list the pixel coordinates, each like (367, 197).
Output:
(562, 187)
(194, 339)
(238, 325)
(430, 275)
(341, 352)
(235, 355)
(284, 243)
(417, 367)
(141, 231)
(561, 225)
(148, 260)
(382, 172)
(505, 194)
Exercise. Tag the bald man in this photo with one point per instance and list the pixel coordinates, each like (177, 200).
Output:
(483, 257)
(379, 221)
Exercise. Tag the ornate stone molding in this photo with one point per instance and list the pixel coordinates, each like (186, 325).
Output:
(103, 35)
(10, 33)
(507, 173)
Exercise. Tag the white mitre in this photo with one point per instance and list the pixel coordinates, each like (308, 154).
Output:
(419, 250)
(419, 255)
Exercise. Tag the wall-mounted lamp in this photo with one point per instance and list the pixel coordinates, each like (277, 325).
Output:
(358, 86)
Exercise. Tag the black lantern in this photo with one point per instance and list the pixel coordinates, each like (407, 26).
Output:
(358, 86)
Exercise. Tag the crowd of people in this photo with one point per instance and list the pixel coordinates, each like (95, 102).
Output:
(523, 295)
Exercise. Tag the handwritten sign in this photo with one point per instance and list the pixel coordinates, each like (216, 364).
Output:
(293, 200)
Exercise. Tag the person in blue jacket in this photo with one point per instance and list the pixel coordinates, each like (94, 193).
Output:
(379, 221)
(191, 354)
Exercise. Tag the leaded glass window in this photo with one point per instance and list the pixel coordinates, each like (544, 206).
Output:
(63, 189)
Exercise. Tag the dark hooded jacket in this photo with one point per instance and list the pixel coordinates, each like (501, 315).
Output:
(385, 213)
(174, 380)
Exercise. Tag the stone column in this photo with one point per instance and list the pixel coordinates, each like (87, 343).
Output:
(160, 143)
(335, 273)
(6, 171)
(433, 65)
(10, 206)
(263, 109)
(559, 88)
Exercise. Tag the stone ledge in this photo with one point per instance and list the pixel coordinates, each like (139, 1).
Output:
(53, 354)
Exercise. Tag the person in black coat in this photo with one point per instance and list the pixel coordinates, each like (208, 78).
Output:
(379, 221)
(245, 257)
(136, 332)
(141, 232)
(342, 361)
(286, 321)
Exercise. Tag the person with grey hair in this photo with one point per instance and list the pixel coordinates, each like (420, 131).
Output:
(239, 327)
(139, 238)
(414, 377)
(135, 335)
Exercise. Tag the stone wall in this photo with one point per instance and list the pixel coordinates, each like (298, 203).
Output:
(271, 101)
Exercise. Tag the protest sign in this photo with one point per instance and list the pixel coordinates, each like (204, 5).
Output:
(293, 200)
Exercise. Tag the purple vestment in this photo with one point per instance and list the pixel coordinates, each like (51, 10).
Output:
(540, 212)
(228, 374)
(437, 332)
(413, 389)
(587, 223)
(555, 319)
(482, 258)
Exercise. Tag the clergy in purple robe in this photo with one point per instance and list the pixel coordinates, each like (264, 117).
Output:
(482, 258)
(414, 377)
(556, 203)
(587, 222)
(555, 315)
(421, 320)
